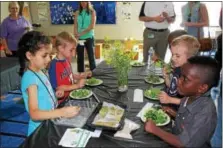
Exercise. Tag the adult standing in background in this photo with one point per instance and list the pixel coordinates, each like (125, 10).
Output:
(157, 17)
(85, 18)
(12, 29)
(195, 17)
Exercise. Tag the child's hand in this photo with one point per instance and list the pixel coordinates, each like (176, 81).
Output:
(150, 126)
(164, 97)
(169, 111)
(155, 57)
(59, 93)
(81, 83)
(70, 111)
(89, 74)
(164, 71)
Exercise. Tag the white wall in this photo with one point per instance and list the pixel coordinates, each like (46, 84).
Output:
(120, 30)
(4, 10)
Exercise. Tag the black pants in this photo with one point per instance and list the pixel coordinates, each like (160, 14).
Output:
(89, 45)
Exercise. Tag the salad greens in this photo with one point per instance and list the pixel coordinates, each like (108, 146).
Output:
(159, 63)
(152, 93)
(80, 93)
(157, 115)
(153, 78)
(93, 81)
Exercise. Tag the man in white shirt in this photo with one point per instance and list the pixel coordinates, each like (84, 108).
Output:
(157, 17)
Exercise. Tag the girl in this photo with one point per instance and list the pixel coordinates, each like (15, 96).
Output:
(38, 95)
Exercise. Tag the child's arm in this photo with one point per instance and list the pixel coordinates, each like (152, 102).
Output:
(168, 137)
(37, 114)
(166, 77)
(80, 84)
(166, 99)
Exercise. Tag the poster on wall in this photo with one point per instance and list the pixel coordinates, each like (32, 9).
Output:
(62, 12)
(42, 11)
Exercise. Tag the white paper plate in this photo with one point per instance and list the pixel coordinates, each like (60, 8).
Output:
(99, 83)
(90, 94)
(144, 119)
(160, 82)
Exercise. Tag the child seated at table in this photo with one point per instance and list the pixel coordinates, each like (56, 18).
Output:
(196, 118)
(182, 48)
(39, 98)
(174, 34)
(60, 71)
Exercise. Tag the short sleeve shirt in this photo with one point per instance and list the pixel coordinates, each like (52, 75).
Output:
(45, 100)
(12, 30)
(195, 123)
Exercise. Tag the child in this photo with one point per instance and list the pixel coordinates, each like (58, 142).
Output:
(171, 37)
(196, 118)
(38, 95)
(182, 48)
(60, 71)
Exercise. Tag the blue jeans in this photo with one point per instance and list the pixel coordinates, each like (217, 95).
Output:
(216, 140)
(89, 45)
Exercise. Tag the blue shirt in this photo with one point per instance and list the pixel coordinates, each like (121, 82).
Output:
(46, 101)
(193, 16)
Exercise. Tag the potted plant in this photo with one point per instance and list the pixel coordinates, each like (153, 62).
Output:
(116, 56)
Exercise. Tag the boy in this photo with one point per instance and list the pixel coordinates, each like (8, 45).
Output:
(182, 48)
(196, 118)
(171, 37)
(60, 71)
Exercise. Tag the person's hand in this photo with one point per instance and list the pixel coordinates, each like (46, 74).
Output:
(8, 52)
(89, 74)
(59, 93)
(164, 71)
(164, 98)
(27, 28)
(155, 57)
(188, 24)
(81, 83)
(70, 111)
(165, 15)
(159, 18)
(150, 126)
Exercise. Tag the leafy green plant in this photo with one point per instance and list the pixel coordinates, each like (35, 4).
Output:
(116, 56)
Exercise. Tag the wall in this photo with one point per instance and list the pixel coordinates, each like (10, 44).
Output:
(120, 30)
(4, 10)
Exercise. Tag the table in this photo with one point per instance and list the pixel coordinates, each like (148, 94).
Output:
(49, 135)
(10, 78)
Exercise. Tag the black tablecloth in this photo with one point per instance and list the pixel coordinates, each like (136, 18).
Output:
(10, 78)
(49, 134)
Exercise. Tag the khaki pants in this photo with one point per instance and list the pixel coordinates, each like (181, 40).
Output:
(159, 43)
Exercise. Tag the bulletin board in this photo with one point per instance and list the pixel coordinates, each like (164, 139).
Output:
(62, 12)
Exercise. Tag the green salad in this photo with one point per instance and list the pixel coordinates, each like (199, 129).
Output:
(80, 93)
(157, 115)
(159, 63)
(152, 93)
(93, 81)
(153, 78)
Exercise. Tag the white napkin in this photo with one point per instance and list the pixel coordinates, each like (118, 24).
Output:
(138, 95)
(75, 137)
(127, 129)
(148, 105)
